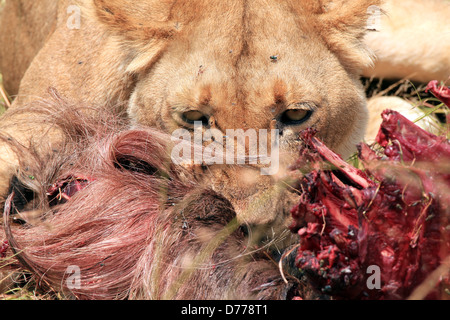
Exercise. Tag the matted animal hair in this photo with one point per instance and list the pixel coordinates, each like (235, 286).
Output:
(131, 225)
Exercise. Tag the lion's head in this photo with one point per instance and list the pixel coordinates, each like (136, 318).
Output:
(284, 65)
(255, 73)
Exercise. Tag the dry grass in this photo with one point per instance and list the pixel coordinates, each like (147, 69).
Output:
(5, 101)
(414, 93)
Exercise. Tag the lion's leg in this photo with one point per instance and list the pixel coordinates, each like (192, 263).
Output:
(377, 105)
(412, 41)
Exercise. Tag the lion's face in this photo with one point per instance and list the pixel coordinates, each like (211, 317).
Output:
(253, 65)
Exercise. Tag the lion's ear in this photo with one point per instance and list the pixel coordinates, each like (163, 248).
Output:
(137, 20)
(146, 26)
(343, 25)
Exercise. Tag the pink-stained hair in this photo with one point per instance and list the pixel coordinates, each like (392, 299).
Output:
(112, 204)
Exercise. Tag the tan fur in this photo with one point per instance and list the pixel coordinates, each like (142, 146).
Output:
(378, 104)
(24, 32)
(413, 41)
(155, 58)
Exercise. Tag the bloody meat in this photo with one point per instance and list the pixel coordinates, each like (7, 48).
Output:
(375, 233)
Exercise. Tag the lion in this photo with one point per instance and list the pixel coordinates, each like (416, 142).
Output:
(273, 66)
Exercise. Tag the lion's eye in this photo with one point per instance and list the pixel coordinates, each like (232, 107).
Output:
(295, 116)
(193, 116)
